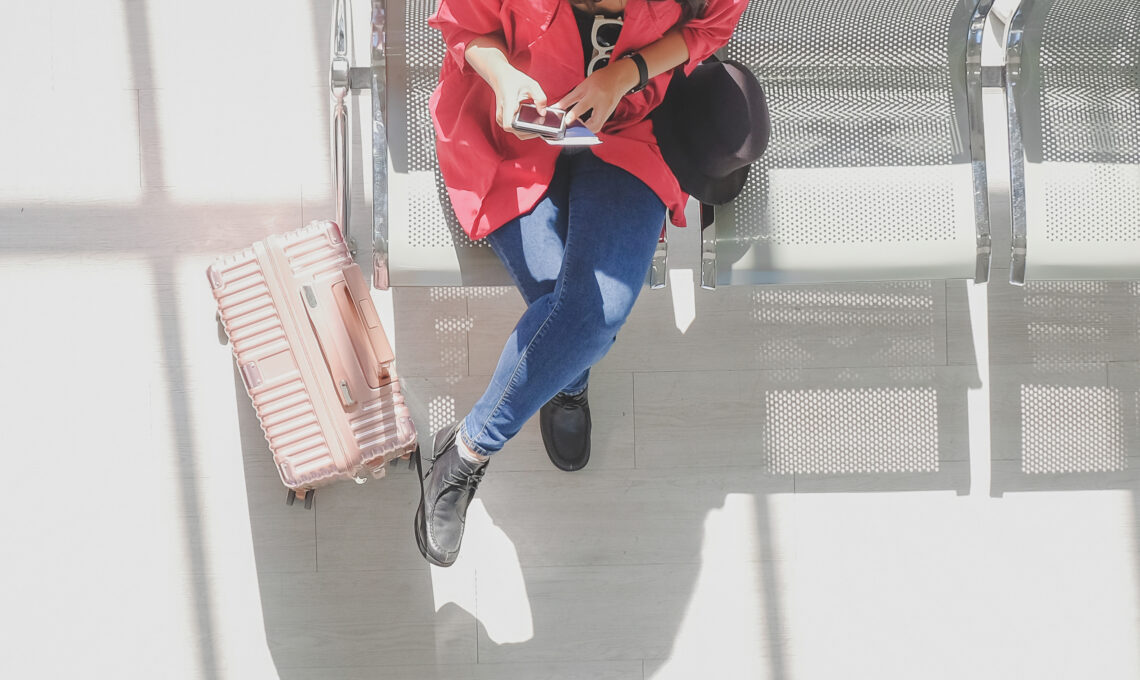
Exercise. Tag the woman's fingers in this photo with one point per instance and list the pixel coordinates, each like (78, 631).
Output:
(596, 107)
(568, 101)
(539, 98)
(589, 97)
(524, 91)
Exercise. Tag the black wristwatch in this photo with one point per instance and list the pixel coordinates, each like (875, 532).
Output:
(642, 71)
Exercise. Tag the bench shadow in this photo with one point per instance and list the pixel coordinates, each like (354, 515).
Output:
(1066, 386)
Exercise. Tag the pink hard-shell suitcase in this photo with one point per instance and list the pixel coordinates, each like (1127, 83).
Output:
(314, 358)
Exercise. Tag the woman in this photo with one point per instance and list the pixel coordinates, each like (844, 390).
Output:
(576, 228)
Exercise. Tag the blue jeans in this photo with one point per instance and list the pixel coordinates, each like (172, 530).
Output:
(579, 258)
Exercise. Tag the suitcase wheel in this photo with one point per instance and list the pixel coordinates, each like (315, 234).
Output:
(292, 496)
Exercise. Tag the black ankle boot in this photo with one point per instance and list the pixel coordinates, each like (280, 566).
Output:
(565, 424)
(445, 493)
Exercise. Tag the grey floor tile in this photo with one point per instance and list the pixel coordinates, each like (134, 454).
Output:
(284, 537)
(369, 527)
(866, 420)
(435, 323)
(699, 419)
(17, 42)
(340, 619)
(647, 611)
(597, 613)
(150, 225)
(186, 133)
(1071, 426)
(1124, 378)
(1052, 418)
(1011, 477)
(49, 157)
(622, 517)
(606, 670)
(942, 475)
(159, 40)
(961, 334)
(1054, 323)
(769, 327)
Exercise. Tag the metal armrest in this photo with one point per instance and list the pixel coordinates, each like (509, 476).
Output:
(343, 79)
(975, 80)
(1016, 147)
(339, 88)
(378, 83)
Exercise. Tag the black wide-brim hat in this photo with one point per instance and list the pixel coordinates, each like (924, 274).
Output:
(711, 126)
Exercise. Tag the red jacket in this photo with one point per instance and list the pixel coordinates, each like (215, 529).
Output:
(491, 175)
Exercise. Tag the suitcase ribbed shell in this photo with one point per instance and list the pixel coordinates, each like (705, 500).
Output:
(315, 438)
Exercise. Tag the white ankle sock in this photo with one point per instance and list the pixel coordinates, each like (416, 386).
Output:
(466, 453)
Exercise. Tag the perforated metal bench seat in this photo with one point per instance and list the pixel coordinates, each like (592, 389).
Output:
(876, 169)
(425, 244)
(418, 240)
(1073, 96)
(876, 165)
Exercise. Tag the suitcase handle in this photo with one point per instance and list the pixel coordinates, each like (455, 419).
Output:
(369, 341)
(348, 330)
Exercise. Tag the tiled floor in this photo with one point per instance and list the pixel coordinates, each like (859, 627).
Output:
(909, 480)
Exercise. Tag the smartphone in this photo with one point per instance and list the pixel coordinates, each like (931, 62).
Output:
(552, 124)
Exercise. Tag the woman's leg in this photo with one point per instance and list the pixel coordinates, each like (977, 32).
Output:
(612, 223)
(531, 248)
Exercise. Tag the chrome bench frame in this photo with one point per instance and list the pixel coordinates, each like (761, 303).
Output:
(1023, 74)
(345, 78)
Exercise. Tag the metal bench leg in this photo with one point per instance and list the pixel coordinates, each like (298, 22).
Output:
(708, 247)
(658, 272)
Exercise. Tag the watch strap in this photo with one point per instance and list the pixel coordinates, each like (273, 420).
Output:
(642, 71)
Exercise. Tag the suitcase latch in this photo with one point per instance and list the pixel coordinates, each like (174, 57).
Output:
(310, 296)
(348, 400)
(251, 375)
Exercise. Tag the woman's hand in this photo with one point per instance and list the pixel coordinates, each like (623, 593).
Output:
(600, 93)
(488, 56)
(512, 87)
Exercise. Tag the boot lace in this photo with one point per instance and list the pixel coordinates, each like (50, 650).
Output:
(459, 479)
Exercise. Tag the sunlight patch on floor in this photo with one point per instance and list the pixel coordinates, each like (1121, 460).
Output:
(722, 632)
(69, 146)
(490, 561)
(942, 576)
(684, 294)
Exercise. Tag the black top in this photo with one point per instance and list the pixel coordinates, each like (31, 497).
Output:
(585, 26)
